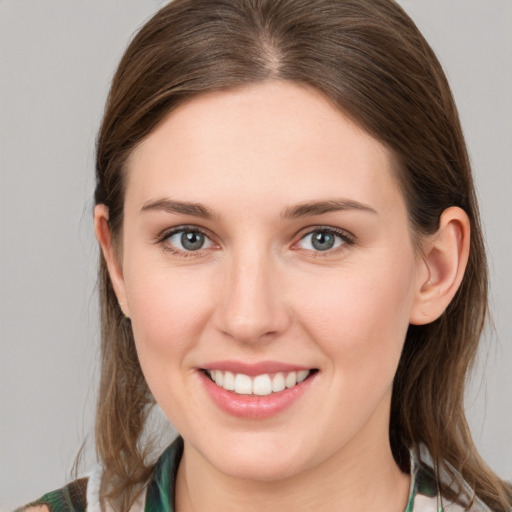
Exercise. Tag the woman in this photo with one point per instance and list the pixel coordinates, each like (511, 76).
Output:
(289, 232)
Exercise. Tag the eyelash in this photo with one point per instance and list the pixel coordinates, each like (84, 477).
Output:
(346, 238)
(162, 240)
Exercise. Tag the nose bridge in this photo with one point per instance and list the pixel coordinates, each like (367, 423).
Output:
(252, 305)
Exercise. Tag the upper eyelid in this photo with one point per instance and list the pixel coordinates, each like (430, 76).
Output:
(337, 231)
(166, 233)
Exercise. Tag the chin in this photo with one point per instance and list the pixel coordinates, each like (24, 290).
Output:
(259, 458)
(260, 469)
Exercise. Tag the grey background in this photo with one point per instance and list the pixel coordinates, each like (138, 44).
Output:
(56, 60)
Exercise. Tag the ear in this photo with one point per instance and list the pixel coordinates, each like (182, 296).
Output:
(104, 236)
(445, 256)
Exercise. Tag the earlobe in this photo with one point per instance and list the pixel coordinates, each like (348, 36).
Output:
(444, 261)
(104, 236)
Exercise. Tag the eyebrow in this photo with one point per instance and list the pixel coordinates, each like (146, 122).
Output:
(185, 208)
(311, 208)
(300, 210)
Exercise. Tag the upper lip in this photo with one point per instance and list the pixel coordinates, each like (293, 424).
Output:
(253, 369)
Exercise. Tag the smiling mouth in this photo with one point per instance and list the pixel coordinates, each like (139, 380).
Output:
(258, 385)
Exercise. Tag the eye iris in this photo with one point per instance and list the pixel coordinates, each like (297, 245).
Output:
(322, 240)
(192, 240)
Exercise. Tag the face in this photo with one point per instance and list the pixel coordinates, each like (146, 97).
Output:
(266, 246)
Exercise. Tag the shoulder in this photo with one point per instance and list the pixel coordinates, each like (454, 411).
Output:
(83, 495)
(36, 508)
(71, 498)
(440, 490)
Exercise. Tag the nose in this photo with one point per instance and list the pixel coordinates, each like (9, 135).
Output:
(251, 306)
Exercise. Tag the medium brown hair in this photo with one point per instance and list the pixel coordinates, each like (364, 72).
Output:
(369, 59)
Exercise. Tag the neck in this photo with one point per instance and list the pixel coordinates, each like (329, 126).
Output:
(356, 479)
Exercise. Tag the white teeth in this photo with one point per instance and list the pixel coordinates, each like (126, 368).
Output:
(302, 375)
(218, 378)
(278, 382)
(291, 379)
(229, 381)
(260, 385)
(243, 384)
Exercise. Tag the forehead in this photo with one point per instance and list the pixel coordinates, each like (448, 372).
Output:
(264, 145)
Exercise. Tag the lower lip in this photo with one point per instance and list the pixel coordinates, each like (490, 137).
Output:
(251, 406)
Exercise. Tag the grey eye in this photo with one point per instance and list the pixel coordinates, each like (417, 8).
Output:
(321, 240)
(189, 240)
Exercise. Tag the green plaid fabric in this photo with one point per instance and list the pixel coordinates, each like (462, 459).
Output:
(68, 499)
(423, 495)
(160, 494)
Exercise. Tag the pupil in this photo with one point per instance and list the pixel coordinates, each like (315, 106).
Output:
(323, 241)
(192, 240)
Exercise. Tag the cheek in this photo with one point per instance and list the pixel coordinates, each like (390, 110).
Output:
(168, 312)
(360, 317)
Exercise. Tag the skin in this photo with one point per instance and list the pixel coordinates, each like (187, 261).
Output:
(258, 290)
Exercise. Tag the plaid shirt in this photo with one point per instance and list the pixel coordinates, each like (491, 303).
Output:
(83, 495)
